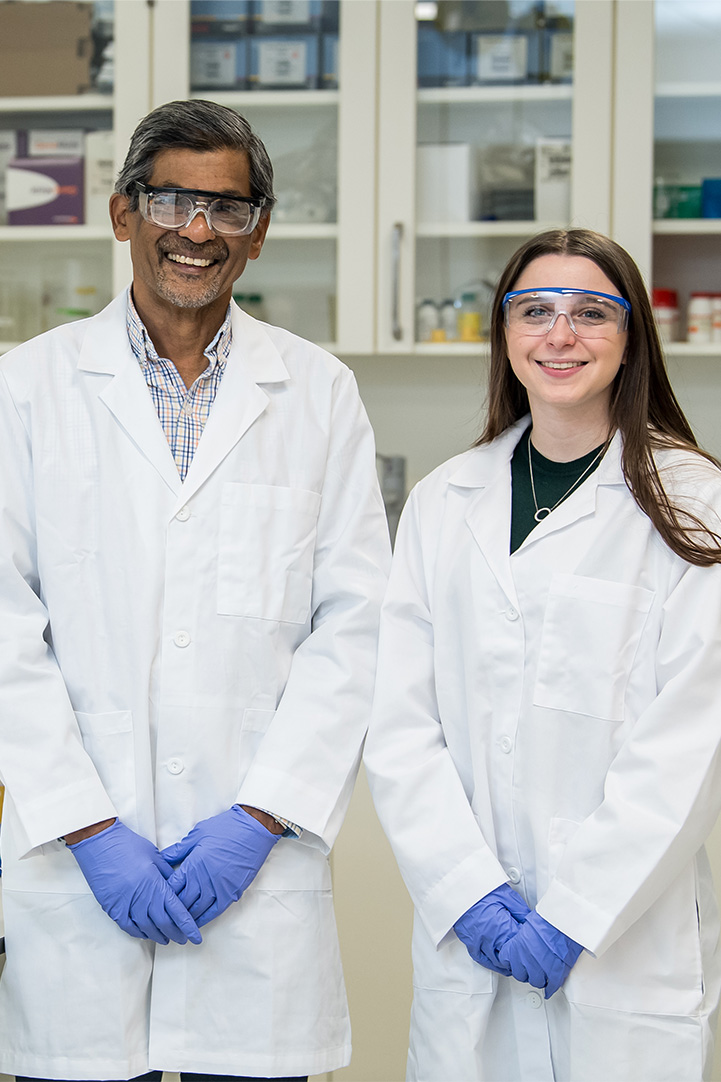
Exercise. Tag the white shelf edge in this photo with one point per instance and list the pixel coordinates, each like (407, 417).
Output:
(692, 349)
(302, 231)
(21, 233)
(452, 349)
(688, 226)
(688, 90)
(61, 103)
(525, 228)
(459, 95)
(269, 98)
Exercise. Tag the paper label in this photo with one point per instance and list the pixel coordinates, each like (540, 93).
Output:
(282, 62)
(501, 57)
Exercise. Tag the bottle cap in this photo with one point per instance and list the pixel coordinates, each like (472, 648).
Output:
(438, 335)
(664, 298)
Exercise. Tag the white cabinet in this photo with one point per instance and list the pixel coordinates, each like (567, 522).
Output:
(44, 266)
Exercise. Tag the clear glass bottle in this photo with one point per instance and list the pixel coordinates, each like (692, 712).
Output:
(427, 320)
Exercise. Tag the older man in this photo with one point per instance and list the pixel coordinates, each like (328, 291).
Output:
(192, 555)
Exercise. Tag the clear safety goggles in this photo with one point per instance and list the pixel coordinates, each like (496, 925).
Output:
(589, 315)
(175, 208)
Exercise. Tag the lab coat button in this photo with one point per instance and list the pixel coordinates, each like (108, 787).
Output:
(511, 614)
(183, 514)
(533, 999)
(181, 639)
(176, 766)
(514, 875)
(506, 744)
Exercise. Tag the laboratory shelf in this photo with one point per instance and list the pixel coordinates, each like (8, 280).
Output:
(478, 95)
(688, 90)
(282, 99)
(525, 228)
(692, 349)
(687, 226)
(21, 233)
(302, 231)
(72, 103)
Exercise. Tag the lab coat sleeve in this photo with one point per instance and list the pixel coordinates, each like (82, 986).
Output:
(50, 779)
(445, 862)
(662, 794)
(305, 767)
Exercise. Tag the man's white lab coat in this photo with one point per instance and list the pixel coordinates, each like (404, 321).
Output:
(168, 649)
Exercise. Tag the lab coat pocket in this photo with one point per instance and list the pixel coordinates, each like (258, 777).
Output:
(108, 740)
(591, 632)
(266, 549)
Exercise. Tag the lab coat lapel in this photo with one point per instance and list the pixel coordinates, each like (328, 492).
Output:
(489, 515)
(253, 360)
(106, 351)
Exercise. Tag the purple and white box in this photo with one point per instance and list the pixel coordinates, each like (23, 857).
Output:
(44, 191)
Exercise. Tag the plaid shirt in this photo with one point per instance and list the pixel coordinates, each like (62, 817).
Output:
(183, 411)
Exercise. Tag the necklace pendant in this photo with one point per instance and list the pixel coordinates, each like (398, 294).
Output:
(542, 513)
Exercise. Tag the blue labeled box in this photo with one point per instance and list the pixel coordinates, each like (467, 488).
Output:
(505, 58)
(219, 18)
(218, 65)
(442, 57)
(329, 50)
(280, 16)
(284, 61)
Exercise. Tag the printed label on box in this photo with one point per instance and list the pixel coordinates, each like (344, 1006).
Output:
(282, 62)
(561, 58)
(58, 143)
(501, 57)
(45, 191)
(295, 12)
(212, 64)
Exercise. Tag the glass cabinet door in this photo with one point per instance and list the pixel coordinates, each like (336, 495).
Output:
(478, 144)
(686, 261)
(302, 73)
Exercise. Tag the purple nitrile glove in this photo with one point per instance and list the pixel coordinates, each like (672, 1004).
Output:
(489, 923)
(540, 954)
(217, 861)
(127, 875)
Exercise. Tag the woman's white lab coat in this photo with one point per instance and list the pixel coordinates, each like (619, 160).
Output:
(210, 641)
(553, 719)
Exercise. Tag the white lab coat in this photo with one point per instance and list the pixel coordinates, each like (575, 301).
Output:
(210, 641)
(553, 719)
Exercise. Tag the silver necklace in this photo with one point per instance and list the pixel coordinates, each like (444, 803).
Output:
(543, 512)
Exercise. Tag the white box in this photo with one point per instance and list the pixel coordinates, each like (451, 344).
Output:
(56, 143)
(446, 182)
(552, 187)
(99, 176)
(9, 149)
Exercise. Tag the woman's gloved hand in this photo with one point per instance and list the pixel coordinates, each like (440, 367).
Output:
(540, 954)
(488, 924)
(217, 861)
(127, 875)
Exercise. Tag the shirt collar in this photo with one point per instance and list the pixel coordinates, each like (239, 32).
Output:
(142, 345)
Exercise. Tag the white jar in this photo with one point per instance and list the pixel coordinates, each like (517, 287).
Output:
(698, 318)
(426, 320)
(449, 320)
(716, 317)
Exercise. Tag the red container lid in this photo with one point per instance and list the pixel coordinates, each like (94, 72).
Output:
(665, 298)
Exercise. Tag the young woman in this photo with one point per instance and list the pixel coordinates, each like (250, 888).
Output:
(545, 754)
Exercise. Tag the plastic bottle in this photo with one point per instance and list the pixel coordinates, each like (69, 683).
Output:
(716, 317)
(698, 318)
(449, 320)
(469, 318)
(665, 310)
(427, 320)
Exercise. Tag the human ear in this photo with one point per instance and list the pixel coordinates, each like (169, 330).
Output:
(119, 214)
(257, 237)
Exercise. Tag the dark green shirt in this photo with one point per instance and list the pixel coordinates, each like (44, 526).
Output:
(552, 481)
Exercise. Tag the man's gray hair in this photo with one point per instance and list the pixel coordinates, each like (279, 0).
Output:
(194, 125)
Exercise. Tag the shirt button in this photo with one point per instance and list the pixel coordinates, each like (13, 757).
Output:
(514, 875)
(511, 614)
(183, 514)
(506, 744)
(176, 766)
(534, 1000)
(181, 639)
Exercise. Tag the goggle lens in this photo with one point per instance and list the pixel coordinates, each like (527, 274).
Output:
(589, 315)
(172, 208)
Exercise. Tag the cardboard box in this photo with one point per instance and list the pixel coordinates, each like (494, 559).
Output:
(10, 147)
(45, 191)
(44, 48)
(284, 62)
(447, 184)
(99, 176)
(219, 65)
(218, 18)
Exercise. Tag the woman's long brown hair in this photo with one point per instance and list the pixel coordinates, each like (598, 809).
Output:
(643, 406)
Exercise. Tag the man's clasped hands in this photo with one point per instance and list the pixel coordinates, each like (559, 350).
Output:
(501, 933)
(171, 893)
